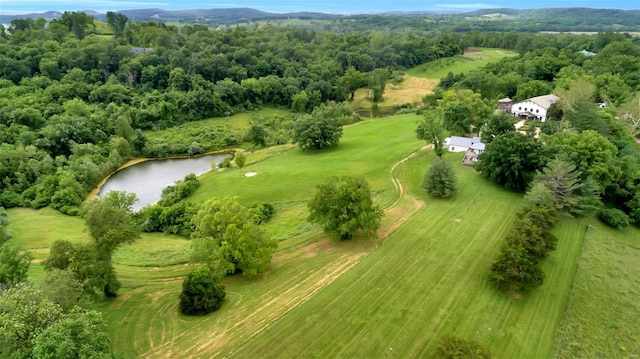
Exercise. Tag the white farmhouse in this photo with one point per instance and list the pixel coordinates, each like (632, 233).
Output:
(472, 146)
(534, 108)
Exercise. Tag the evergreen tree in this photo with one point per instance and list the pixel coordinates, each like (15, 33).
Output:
(440, 180)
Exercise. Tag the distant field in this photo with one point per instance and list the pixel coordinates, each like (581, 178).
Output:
(603, 315)
(440, 68)
(421, 80)
(410, 91)
(236, 123)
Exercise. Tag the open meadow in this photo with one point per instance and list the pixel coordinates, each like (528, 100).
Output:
(421, 80)
(464, 63)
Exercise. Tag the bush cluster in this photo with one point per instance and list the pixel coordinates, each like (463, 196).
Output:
(453, 347)
(614, 217)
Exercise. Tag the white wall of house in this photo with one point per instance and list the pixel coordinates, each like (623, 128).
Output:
(458, 149)
(519, 108)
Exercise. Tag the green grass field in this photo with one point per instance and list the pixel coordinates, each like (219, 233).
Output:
(440, 68)
(602, 317)
(236, 123)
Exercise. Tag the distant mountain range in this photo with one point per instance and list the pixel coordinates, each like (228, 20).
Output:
(578, 16)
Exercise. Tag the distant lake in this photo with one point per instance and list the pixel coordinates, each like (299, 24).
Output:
(148, 179)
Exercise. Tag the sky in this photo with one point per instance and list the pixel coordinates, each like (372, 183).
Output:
(328, 6)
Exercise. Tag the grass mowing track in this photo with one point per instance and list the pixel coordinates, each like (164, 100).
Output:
(429, 278)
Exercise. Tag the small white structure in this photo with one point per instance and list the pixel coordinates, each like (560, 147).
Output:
(472, 146)
(587, 53)
(534, 108)
(463, 144)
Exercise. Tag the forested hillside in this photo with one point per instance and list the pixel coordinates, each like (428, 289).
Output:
(74, 103)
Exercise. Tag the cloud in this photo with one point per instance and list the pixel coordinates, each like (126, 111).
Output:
(469, 6)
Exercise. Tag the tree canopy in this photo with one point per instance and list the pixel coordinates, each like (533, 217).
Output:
(512, 160)
(227, 238)
(432, 130)
(343, 206)
(315, 132)
(202, 292)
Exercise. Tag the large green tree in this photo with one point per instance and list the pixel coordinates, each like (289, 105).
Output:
(512, 160)
(25, 312)
(498, 124)
(351, 81)
(315, 132)
(78, 335)
(14, 263)
(377, 83)
(343, 206)
(591, 153)
(227, 238)
(570, 193)
(464, 111)
(111, 224)
(432, 130)
(440, 180)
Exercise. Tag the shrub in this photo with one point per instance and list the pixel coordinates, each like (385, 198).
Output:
(240, 159)
(453, 347)
(614, 218)
(226, 163)
(202, 292)
(262, 212)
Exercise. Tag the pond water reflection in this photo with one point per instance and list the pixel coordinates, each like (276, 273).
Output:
(147, 179)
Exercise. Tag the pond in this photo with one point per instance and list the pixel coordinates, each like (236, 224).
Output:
(148, 179)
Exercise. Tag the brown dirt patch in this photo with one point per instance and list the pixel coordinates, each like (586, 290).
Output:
(471, 49)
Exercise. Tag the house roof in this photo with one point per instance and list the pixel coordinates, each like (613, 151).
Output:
(474, 143)
(587, 53)
(459, 141)
(543, 101)
(504, 100)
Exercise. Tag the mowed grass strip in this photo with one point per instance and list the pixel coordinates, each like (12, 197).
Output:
(603, 315)
(429, 279)
(440, 68)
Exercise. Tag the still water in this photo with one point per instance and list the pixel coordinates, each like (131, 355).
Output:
(147, 179)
